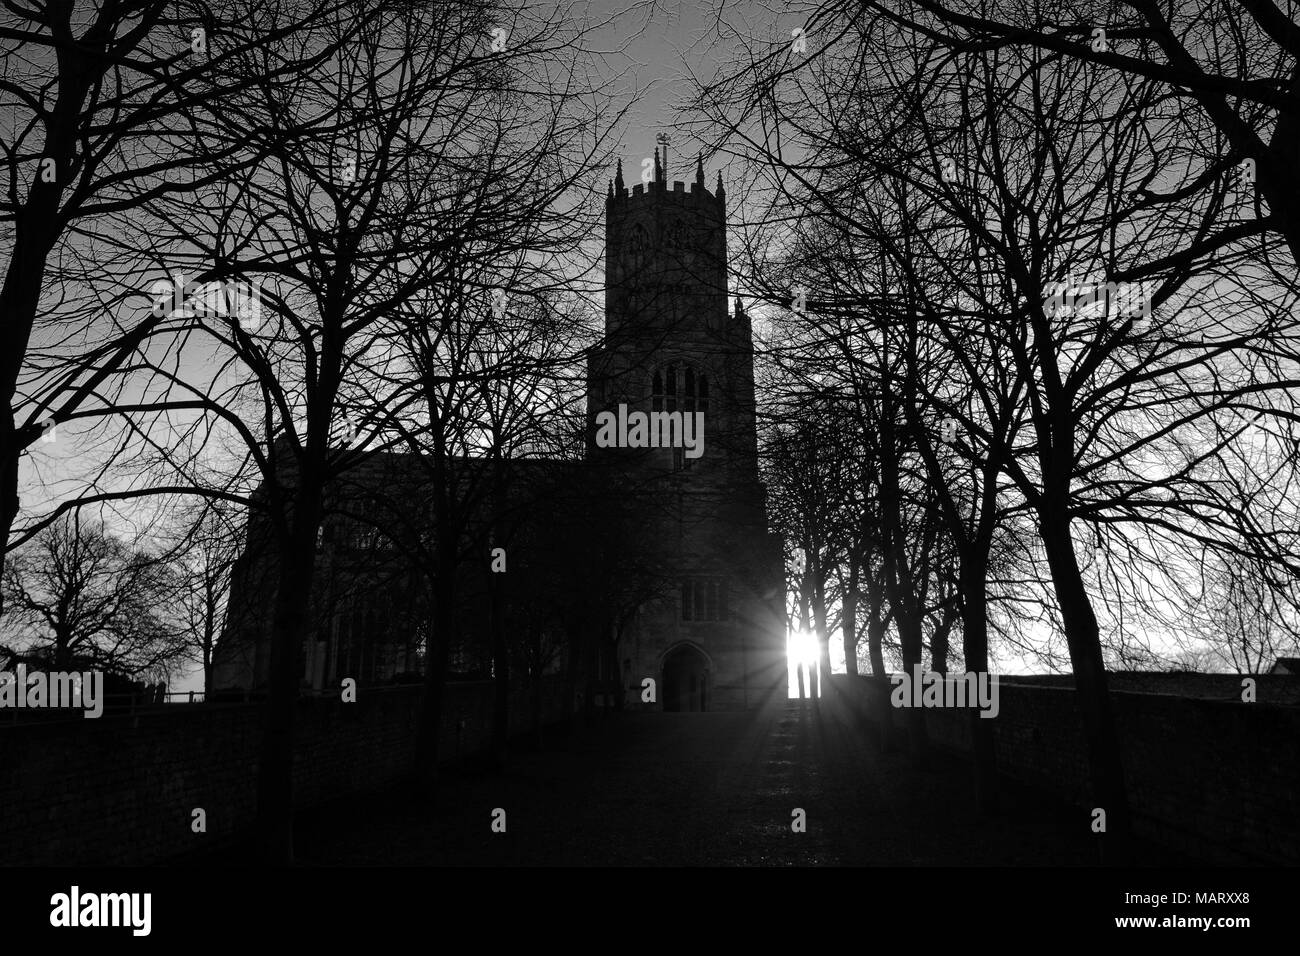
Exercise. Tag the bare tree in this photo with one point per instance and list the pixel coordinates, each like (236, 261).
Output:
(105, 108)
(81, 596)
(1236, 63)
(387, 177)
(1242, 621)
(209, 543)
(967, 179)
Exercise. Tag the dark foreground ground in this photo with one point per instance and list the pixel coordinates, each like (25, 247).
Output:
(704, 789)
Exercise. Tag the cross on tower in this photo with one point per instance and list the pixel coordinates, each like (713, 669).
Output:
(663, 140)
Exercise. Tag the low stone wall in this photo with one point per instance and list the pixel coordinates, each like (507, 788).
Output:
(121, 790)
(1219, 776)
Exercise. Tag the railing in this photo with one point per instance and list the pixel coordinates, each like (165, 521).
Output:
(113, 704)
(152, 702)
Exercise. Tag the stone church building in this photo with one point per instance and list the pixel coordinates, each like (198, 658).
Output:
(646, 555)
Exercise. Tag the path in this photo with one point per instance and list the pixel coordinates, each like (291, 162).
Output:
(703, 789)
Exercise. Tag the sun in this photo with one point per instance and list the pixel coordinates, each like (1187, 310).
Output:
(802, 649)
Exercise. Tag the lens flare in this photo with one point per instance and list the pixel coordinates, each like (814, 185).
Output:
(803, 649)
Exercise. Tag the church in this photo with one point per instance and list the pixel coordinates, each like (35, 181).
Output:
(640, 569)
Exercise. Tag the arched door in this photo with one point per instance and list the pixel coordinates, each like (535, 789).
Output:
(686, 679)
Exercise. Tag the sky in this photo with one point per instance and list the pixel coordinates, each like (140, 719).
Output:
(662, 43)
(651, 48)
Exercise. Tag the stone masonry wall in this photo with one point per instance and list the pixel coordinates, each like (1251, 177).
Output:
(120, 790)
(1215, 774)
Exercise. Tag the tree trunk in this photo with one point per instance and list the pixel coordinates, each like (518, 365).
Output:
(939, 645)
(209, 639)
(500, 695)
(1275, 173)
(9, 454)
(975, 651)
(620, 698)
(446, 551)
(275, 770)
(429, 729)
(500, 668)
(35, 231)
(875, 631)
(1083, 639)
(62, 651)
(875, 651)
(572, 662)
(590, 636)
(913, 647)
(898, 584)
(849, 622)
(820, 619)
(535, 691)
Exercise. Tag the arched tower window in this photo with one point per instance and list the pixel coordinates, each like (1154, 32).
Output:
(677, 236)
(679, 388)
(638, 249)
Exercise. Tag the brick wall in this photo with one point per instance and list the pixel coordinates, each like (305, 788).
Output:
(121, 789)
(1216, 775)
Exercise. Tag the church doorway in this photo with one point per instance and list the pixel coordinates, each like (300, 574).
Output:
(686, 679)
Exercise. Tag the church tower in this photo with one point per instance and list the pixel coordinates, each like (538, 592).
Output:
(708, 626)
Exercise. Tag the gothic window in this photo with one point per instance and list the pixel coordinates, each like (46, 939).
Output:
(677, 235)
(679, 389)
(638, 250)
(704, 599)
(695, 396)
